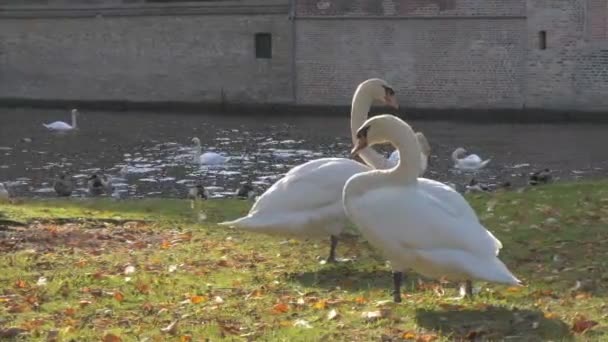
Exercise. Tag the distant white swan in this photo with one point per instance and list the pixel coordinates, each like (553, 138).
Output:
(468, 163)
(416, 222)
(207, 158)
(61, 126)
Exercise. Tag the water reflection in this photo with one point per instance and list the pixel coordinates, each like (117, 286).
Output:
(149, 154)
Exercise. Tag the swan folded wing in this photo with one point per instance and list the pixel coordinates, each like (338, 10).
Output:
(472, 159)
(310, 186)
(417, 221)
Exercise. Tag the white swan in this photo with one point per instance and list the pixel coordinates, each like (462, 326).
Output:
(425, 152)
(207, 158)
(419, 223)
(62, 126)
(307, 201)
(468, 163)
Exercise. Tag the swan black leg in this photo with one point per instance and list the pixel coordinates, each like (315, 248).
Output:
(397, 278)
(468, 289)
(332, 249)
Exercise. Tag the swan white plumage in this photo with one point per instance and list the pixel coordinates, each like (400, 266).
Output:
(62, 126)
(207, 158)
(425, 152)
(419, 223)
(469, 163)
(307, 201)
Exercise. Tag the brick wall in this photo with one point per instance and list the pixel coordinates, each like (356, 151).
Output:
(572, 72)
(145, 57)
(464, 61)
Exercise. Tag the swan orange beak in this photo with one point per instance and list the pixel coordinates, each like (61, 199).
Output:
(391, 101)
(361, 144)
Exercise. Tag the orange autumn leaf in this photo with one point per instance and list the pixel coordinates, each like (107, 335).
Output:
(280, 308)
(69, 311)
(427, 338)
(80, 263)
(119, 296)
(197, 299)
(322, 304)
(582, 295)
(165, 244)
(582, 324)
(514, 289)
(111, 338)
(409, 335)
(143, 288)
(360, 300)
(20, 284)
(185, 338)
(551, 315)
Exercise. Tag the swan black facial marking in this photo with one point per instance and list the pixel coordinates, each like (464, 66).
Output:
(388, 91)
(362, 133)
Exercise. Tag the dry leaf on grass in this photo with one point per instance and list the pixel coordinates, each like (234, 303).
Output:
(111, 338)
(582, 324)
(171, 328)
(332, 314)
(371, 316)
(280, 308)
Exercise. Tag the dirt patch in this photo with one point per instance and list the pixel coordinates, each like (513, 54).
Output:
(90, 236)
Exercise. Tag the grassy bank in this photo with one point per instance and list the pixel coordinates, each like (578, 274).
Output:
(157, 269)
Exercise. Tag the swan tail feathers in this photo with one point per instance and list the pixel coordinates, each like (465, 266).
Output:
(499, 273)
(243, 222)
(485, 162)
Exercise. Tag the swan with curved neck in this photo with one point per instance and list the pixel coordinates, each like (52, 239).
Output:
(471, 162)
(307, 201)
(207, 158)
(62, 126)
(416, 222)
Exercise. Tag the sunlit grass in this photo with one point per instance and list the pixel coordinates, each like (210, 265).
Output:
(137, 279)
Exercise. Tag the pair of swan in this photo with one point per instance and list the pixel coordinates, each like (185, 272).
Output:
(307, 201)
(61, 126)
(207, 158)
(416, 222)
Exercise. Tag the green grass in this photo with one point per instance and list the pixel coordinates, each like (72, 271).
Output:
(220, 283)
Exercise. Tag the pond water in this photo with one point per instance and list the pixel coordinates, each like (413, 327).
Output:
(156, 149)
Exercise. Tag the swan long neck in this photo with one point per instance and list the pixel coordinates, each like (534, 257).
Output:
(362, 103)
(456, 154)
(73, 120)
(406, 142)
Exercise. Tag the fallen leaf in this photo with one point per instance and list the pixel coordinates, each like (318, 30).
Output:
(84, 303)
(41, 281)
(322, 304)
(119, 296)
(171, 328)
(427, 338)
(280, 308)
(197, 299)
(551, 315)
(69, 311)
(185, 338)
(332, 314)
(143, 288)
(514, 289)
(20, 284)
(165, 244)
(129, 269)
(409, 335)
(302, 323)
(111, 338)
(374, 315)
(360, 300)
(582, 324)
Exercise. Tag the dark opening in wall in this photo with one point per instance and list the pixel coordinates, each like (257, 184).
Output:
(263, 45)
(542, 40)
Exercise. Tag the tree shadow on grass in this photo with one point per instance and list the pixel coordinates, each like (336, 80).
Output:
(493, 324)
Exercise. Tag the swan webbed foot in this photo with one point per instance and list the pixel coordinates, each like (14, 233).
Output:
(397, 279)
(332, 249)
